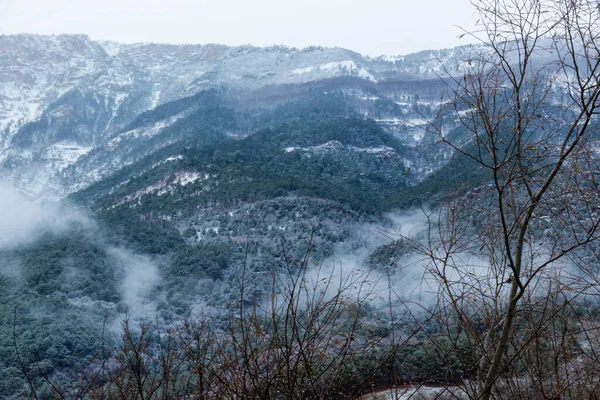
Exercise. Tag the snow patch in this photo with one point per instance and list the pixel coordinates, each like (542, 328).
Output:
(417, 121)
(369, 98)
(418, 135)
(335, 145)
(391, 121)
(382, 150)
(155, 99)
(186, 178)
(167, 160)
(406, 122)
(61, 155)
(331, 145)
(166, 185)
(144, 132)
(337, 68)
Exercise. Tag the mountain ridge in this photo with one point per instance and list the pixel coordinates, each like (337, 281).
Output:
(66, 95)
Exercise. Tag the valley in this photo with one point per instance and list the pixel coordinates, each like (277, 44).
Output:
(229, 209)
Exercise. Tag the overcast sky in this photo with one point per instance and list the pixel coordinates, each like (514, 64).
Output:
(371, 27)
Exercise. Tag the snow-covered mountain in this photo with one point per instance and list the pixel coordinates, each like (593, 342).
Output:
(67, 100)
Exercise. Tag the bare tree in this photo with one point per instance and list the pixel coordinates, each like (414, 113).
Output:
(307, 340)
(313, 337)
(504, 254)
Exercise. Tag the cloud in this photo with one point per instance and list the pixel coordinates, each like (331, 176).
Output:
(139, 277)
(347, 269)
(23, 219)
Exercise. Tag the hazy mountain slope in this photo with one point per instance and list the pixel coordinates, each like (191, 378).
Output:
(66, 97)
(184, 165)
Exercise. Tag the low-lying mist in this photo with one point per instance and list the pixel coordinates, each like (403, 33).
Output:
(399, 276)
(139, 278)
(24, 221)
(379, 259)
(23, 218)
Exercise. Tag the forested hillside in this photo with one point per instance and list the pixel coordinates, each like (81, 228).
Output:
(207, 222)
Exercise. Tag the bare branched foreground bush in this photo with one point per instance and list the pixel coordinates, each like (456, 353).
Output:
(311, 339)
